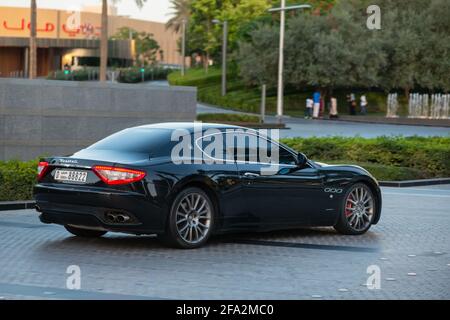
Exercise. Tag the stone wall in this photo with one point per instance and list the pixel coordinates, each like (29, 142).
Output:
(45, 117)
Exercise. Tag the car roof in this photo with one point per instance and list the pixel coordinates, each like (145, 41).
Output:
(188, 126)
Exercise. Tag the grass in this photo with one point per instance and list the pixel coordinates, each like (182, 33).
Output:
(248, 99)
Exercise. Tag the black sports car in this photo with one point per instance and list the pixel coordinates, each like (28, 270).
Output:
(186, 183)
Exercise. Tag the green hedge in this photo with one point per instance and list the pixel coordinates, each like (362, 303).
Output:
(227, 117)
(134, 74)
(17, 179)
(430, 156)
(387, 158)
(83, 74)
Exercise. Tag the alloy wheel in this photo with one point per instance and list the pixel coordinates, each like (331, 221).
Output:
(359, 208)
(193, 218)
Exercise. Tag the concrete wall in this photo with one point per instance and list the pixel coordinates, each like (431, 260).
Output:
(44, 117)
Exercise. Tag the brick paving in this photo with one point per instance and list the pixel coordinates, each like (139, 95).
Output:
(411, 245)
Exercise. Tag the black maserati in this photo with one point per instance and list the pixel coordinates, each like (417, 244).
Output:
(184, 183)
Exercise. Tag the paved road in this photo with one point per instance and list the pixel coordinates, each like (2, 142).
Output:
(306, 128)
(413, 237)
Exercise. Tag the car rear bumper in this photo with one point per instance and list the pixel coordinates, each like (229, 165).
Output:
(91, 207)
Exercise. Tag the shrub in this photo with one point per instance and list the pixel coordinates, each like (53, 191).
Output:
(134, 74)
(227, 117)
(17, 179)
(429, 155)
(83, 74)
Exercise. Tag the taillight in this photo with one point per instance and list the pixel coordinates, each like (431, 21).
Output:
(114, 175)
(42, 169)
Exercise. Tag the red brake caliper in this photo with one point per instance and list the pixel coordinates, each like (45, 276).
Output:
(348, 206)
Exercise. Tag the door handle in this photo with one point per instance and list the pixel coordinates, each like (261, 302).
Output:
(251, 175)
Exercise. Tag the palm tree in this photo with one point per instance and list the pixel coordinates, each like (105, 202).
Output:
(181, 10)
(104, 36)
(33, 50)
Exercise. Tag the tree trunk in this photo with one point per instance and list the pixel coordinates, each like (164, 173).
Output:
(33, 48)
(104, 41)
(206, 61)
(406, 90)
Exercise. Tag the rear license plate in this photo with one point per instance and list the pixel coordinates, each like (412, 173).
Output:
(71, 176)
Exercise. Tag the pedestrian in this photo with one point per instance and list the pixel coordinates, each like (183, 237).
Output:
(309, 108)
(316, 99)
(333, 108)
(363, 104)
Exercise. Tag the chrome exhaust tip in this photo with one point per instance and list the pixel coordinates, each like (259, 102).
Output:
(122, 218)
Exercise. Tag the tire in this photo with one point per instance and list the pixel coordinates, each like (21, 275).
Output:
(190, 221)
(85, 233)
(357, 210)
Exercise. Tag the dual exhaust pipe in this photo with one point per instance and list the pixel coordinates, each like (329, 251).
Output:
(112, 217)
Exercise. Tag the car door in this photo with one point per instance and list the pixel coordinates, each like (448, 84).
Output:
(286, 195)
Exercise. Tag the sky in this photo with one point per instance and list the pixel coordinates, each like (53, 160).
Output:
(153, 10)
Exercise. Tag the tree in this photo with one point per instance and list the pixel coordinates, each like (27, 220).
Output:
(33, 47)
(336, 49)
(146, 46)
(181, 11)
(205, 37)
(104, 37)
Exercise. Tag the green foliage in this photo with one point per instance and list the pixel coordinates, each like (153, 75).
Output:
(181, 11)
(83, 74)
(17, 179)
(337, 50)
(146, 46)
(429, 156)
(205, 37)
(134, 74)
(227, 117)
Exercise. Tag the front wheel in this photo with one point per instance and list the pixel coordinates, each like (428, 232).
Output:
(86, 233)
(191, 219)
(357, 211)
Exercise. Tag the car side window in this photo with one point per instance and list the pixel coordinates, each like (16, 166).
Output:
(267, 148)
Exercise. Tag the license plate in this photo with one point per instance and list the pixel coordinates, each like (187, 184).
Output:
(71, 176)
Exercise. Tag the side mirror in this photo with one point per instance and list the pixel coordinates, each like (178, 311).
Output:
(301, 160)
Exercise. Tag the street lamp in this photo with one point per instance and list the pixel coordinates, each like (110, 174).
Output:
(224, 54)
(282, 11)
(183, 47)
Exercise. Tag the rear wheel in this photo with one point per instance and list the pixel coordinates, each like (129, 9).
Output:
(86, 233)
(358, 210)
(191, 219)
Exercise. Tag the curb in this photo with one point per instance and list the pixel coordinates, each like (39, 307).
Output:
(438, 123)
(16, 205)
(415, 183)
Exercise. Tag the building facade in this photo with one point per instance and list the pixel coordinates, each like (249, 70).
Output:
(72, 38)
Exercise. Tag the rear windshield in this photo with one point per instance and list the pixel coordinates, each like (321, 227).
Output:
(154, 142)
